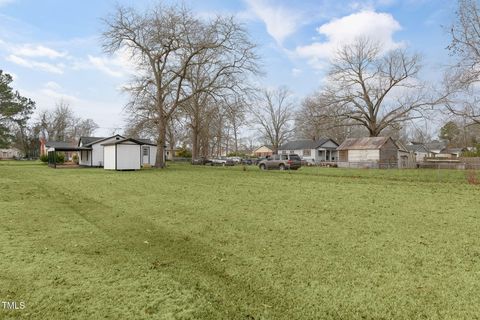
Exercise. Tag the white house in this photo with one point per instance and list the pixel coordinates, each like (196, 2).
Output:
(91, 153)
(124, 154)
(323, 149)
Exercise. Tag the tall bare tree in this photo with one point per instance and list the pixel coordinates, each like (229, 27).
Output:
(61, 124)
(374, 89)
(165, 43)
(462, 79)
(316, 118)
(273, 114)
(235, 113)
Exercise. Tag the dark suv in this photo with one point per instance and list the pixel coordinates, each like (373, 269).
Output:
(281, 161)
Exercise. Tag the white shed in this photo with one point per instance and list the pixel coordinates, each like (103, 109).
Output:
(123, 154)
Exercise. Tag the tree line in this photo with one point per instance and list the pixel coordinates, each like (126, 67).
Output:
(197, 86)
(18, 129)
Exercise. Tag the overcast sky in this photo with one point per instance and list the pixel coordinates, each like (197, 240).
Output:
(52, 47)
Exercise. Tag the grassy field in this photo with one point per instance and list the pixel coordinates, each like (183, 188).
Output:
(193, 242)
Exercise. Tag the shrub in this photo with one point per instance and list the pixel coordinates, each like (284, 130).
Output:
(44, 158)
(237, 154)
(60, 157)
(75, 158)
(472, 177)
(184, 153)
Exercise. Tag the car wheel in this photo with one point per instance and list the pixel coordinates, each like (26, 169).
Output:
(263, 167)
(281, 167)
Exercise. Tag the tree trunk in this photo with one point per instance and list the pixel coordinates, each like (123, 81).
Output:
(161, 140)
(195, 146)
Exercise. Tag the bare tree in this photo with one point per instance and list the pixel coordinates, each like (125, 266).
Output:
(376, 90)
(166, 42)
(235, 113)
(61, 124)
(273, 113)
(462, 79)
(317, 118)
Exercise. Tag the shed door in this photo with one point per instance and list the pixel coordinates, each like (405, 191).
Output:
(146, 155)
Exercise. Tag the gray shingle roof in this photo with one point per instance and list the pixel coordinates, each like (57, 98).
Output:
(136, 141)
(417, 148)
(305, 144)
(59, 144)
(89, 140)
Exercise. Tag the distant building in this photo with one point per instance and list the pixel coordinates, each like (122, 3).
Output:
(374, 152)
(10, 153)
(263, 151)
(321, 150)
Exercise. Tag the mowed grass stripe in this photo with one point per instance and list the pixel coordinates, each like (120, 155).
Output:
(317, 243)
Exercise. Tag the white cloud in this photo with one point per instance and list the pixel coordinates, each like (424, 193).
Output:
(53, 85)
(104, 65)
(118, 65)
(35, 65)
(29, 50)
(378, 27)
(296, 72)
(5, 2)
(281, 22)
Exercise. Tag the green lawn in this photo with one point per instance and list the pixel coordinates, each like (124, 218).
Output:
(193, 242)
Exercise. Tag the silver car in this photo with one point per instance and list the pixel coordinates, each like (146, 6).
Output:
(281, 162)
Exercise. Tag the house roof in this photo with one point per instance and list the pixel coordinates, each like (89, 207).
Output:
(305, 144)
(136, 141)
(453, 150)
(88, 141)
(435, 145)
(266, 146)
(59, 144)
(417, 148)
(367, 143)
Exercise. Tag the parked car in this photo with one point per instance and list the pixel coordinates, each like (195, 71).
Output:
(236, 160)
(201, 161)
(247, 161)
(222, 162)
(282, 162)
(308, 162)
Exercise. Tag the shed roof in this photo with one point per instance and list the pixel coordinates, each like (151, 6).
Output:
(368, 143)
(305, 144)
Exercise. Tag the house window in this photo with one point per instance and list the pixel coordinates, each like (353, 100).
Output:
(145, 151)
(307, 153)
(292, 151)
(284, 151)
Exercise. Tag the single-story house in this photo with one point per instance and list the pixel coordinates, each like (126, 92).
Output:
(451, 152)
(125, 154)
(420, 150)
(435, 147)
(323, 149)
(372, 152)
(10, 153)
(92, 150)
(263, 151)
